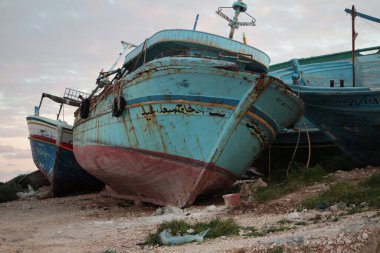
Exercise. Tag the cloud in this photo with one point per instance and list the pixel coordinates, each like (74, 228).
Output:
(9, 152)
(23, 154)
(14, 161)
(6, 149)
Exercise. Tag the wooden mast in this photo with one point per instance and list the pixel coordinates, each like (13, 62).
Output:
(354, 34)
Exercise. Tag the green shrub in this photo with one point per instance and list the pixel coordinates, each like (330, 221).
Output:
(218, 227)
(367, 191)
(298, 176)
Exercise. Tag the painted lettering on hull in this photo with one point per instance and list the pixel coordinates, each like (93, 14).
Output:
(353, 102)
(179, 108)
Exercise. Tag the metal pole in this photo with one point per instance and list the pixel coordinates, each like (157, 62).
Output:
(196, 21)
(353, 15)
(233, 23)
(59, 112)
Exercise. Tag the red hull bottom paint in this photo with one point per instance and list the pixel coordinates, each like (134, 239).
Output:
(156, 178)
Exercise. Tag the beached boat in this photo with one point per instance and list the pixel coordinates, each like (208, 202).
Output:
(348, 115)
(52, 150)
(185, 116)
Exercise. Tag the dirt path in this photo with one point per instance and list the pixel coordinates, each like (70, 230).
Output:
(93, 223)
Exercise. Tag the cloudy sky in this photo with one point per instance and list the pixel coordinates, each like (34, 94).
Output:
(48, 45)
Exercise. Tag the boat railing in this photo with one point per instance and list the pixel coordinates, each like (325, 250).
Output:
(75, 94)
(70, 97)
(208, 54)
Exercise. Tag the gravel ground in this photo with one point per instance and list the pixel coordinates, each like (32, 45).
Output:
(94, 223)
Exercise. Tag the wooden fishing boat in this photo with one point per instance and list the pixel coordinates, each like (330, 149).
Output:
(348, 115)
(52, 150)
(186, 114)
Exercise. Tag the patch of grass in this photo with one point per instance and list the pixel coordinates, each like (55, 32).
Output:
(275, 191)
(218, 227)
(277, 249)
(300, 223)
(354, 210)
(310, 202)
(9, 189)
(373, 181)
(152, 239)
(298, 176)
(274, 229)
(367, 191)
(253, 232)
(372, 186)
(284, 221)
(176, 227)
(317, 218)
(333, 218)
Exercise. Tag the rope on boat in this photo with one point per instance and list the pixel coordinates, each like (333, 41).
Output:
(299, 136)
(294, 153)
(304, 124)
(117, 88)
(139, 56)
(308, 143)
(269, 161)
(119, 102)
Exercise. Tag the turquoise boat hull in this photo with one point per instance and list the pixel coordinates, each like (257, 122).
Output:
(191, 126)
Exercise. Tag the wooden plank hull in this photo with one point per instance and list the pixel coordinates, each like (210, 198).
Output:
(351, 117)
(57, 162)
(348, 115)
(157, 178)
(190, 127)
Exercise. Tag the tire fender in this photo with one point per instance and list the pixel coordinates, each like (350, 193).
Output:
(84, 108)
(118, 106)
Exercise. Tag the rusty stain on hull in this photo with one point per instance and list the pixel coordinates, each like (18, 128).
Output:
(196, 123)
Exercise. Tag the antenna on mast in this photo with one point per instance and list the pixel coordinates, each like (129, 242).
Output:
(234, 23)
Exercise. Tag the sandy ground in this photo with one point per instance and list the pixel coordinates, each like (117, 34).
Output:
(94, 223)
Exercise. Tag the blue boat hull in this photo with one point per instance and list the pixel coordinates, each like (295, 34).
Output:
(190, 127)
(57, 162)
(351, 117)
